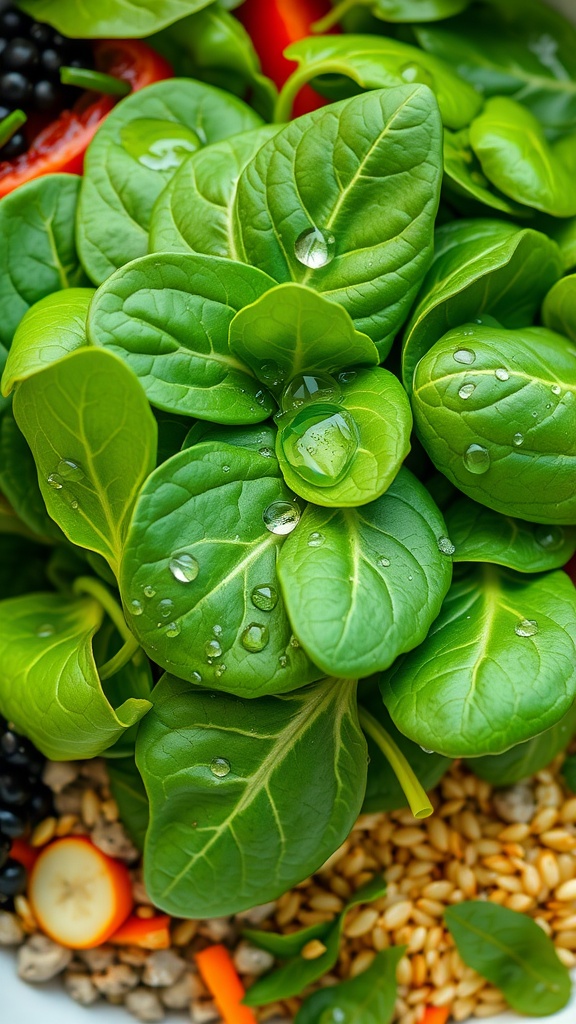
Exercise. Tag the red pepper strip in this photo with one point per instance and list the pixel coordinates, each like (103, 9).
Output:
(60, 145)
(436, 1015)
(273, 25)
(146, 932)
(24, 853)
(221, 978)
(570, 568)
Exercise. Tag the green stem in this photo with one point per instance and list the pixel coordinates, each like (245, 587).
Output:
(10, 125)
(334, 16)
(292, 86)
(96, 81)
(121, 658)
(96, 589)
(413, 791)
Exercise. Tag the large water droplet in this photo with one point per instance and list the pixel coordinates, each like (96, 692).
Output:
(307, 388)
(184, 568)
(501, 373)
(217, 630)
(466, 390)
(173, 629)
(159, 144)
(46, 629)
(526, 627)
(320, 442)
(518, 439)
(165, 608)
(220, 766)
(255, 637)
(213, 649)
(464, 355)
(70, 470)
(315, 248)
(264, 597)
(281, 517)
(136, 607)
(551, 538)
(477, 459)
(56, 481)
(149, 592)
(445, 546)
(316, 539)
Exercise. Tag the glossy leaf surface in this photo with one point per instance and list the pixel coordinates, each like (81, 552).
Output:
(110, 17)
(559, 309)
(525, 759)
(368, 998)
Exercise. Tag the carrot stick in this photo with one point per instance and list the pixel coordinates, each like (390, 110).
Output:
(436, 1015)
(220, 976)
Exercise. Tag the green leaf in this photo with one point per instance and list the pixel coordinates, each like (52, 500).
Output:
(221, 773)
(168, 316)
(49, 685)
(199, 572)
(513, 953)
(38, 253)
(19, 482)
(93, 438)
(52, 327)
(481, 535)
(525, 759)
(291, 330)
(260, 437)
(564, 234)
(463, 176)
(194, 213)
(394, 10)
(496, 413)
(293, 977)
(118, 18)
(373, 62)
(364, 585)
(368, 998)
(514, 154)
(358, 208)
(377, 409)
(569, 772)
(129, 793)
(497, 667)
(480, 266)
(135, 154)
(559, 309)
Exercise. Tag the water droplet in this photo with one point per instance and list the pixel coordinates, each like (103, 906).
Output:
(426, 750)
(219, 671)
(264, 597)
(477, 459)
(159, 144)
(70, 470)
(173, 629)
(501, 373)
(217, 630)
(315, 248)
(220, 767)
(320, 442)
(347, 376)
(45, 630)
(551, 538)
(307, 388)
(518, 439)
(556, 389)
(196, 677)
(56, 481)
(213, 649)
(282, 661)
(281, 517)
(149, 592)
(316, 540)
(410, 578)
(414, 72)
(136, 607)
(266, 453)
(165, 608)
(184, 568)
(534, 415)
(466, 390)
(464, 355)
(260, 397)
(526, 627)
(225, 469)
(445, 546)
(74, 504)
(255, 637)
(294, 642)
(383, 562)
(272, 374)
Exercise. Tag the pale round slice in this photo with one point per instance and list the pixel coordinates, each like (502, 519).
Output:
(79, 896)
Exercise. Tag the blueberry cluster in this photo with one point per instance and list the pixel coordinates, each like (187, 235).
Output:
(31, 55)
(24, 801)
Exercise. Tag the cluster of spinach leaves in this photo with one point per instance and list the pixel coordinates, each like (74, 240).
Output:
(197, 425)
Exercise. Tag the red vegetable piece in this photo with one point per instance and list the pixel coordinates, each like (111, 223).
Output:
(24, 853)
(436, 1015)
(146, 932)
(221, 978)
(570, 568)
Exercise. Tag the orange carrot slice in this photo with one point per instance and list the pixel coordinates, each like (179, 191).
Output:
(148, 933)
(221, 978)
(436, 1015)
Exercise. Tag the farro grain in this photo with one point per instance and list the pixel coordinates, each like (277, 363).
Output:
(489, 1009)
(417, 939)
(361, 924)
(361, 962)
(43, 832)
(462, 1009)
(567, 891)
(559, 839)
(326, 901)
(313, 949)
(65, 824)
(443, 996)
(543, 820)
(90, 808)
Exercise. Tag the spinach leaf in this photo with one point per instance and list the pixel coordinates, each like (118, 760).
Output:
(349, 213)
(363, 585)
(569, 772)
(49, 684)
(129, 793)
(38, 253)
(293, 330)
(220, 774)
(366, 435)
(513, 953)
(559, 309)
(168, 316)
(19, 482)
(260, 437)
(525, 759)
(480, 266)
(132, 158)
(298, 973)
(564, 233)
(497, 667)
(463, 176)
(93, 438)
(52, 327)
(495, 411)
(118, 18)
(373, 62)
(367, 999)
(199, 571)
(515, 155)
(395, 10)
(481, 535)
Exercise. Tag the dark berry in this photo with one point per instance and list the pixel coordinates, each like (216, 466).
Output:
(40, 804)
(14, 785)
(12, 823)
(20, 55)
(14, 87)
(12, 878)
(3, 45)
(4, 111)
(51, 61)
(47, 95)
(41, 34)
(14, 147)
(17, 750)
(5, 845)
(13, 23)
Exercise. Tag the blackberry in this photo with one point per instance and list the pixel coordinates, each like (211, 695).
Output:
(12, 880)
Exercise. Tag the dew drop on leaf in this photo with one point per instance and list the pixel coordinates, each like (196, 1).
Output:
(526, 627)
(149, 592)
(184, 568)
(56, 481)
(294, 642)
(173, 629)
(213, 649)
(46, 629)
(272, 374)
(347, 376)
(551, 538)
(307, 388)
(195, 677)
(556, 389)
(501, 373)
(165, 608)
(414, 72)
(518, 439)
(70, 470)
(316, 540)
(282, 661)
(217, 630)
(264, 597)
(266, 453)
(315, 248)
(255, 637)
(466, 390)
(220, 767)
(281, 517)
(464, 355)
(260, 397)
(320, 442)
(383, 562)
(225, 469)
(220, 670)
(477, 459)
(136, 607)
(426, 750)
(445, 546)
